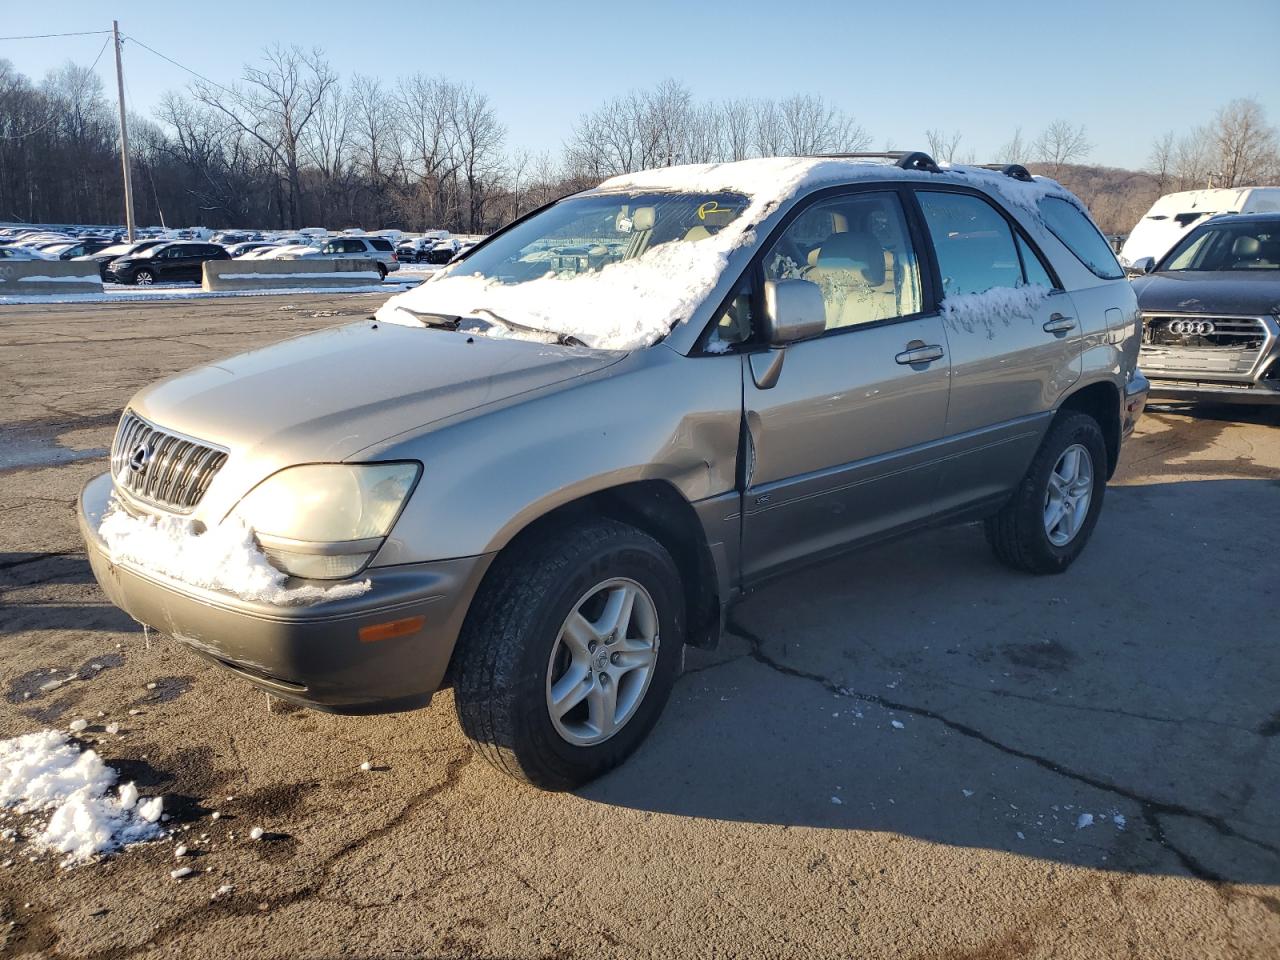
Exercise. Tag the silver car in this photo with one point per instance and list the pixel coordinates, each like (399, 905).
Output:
(542, 473)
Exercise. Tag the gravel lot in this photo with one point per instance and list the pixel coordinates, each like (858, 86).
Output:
(889, 757)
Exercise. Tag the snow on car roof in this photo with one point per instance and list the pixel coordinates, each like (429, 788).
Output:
(776, 179)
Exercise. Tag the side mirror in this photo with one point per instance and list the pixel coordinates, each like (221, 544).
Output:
(1141, 267)
(793, 310)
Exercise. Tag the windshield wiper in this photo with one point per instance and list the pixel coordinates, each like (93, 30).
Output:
(446, 321)
(564, 339)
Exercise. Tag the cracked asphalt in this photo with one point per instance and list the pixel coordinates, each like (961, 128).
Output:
(907, 753)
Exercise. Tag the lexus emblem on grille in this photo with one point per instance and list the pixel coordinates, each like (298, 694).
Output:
(139, 458)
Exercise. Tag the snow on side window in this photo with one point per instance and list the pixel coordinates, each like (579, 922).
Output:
(1073, 227)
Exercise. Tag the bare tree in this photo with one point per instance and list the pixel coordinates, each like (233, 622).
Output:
(1015, 149)
(479, 145)
(1059, 144)
(943, 146)
(811, 125)
(276, 105)
(1244, 143)
(736, 129)
(1161, 162)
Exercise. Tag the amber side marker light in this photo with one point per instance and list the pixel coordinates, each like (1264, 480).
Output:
(391, 629)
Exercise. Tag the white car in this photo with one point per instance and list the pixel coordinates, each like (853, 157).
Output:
(19, 253)
(287, 251)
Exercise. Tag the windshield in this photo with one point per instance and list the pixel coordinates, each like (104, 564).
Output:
(1244, 245)
(613, 271)
(585, 234)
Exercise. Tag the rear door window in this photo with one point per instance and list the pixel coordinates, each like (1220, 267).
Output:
(380, 244)
(1073, 227)
(974, 243)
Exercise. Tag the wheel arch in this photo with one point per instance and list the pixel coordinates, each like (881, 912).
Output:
(659, 509)
(1102, 401)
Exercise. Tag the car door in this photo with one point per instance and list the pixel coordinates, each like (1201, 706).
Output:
(165, 263)
(841, 448)
(1015, 343)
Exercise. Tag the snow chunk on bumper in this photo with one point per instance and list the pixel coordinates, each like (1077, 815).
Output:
(225, 558)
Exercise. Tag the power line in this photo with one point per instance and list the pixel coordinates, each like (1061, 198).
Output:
(180, 66)
(45, 36)
(53, 119)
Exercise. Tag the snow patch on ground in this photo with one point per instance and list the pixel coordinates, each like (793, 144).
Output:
(225, 558)
(46, 773)
(1004, 305)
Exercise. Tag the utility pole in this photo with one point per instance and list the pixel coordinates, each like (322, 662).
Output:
(124, 136)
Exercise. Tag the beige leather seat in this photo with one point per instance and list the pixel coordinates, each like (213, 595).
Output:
(850, 269)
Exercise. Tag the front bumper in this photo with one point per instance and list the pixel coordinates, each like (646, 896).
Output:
(311, 654)
(1136, 392)
(1195, 391)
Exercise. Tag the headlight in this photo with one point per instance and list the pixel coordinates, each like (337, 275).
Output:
(325, 521)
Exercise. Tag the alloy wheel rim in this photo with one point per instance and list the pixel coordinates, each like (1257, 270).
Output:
(602, 662)
(144, 279)
(1069, 493)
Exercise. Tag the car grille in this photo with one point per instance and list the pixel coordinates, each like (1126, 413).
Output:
(162, 467)
(1204, 331)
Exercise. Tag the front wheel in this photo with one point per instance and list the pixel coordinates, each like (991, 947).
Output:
(569, 653)
(144, 278)
(1048, 521)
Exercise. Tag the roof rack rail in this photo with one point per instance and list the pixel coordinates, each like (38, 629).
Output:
(906, 159)
(1015, 170)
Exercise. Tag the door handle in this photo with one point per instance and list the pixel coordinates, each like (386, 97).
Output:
(1059, 324)
(918, 352)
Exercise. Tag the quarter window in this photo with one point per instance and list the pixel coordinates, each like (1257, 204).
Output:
(974, 245)
(857, 250)
(1077, 232)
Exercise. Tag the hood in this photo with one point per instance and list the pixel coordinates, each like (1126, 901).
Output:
(325, 396)
(1245, 292)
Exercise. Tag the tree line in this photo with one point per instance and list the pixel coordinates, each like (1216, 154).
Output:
(289, 143)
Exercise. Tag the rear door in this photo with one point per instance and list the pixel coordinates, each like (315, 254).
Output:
(841, 448)
(1014, 337)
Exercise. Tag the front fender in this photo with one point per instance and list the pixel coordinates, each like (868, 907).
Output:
(486, 476)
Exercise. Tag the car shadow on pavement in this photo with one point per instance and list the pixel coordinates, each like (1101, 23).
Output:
(1124, 715)
(66, 575)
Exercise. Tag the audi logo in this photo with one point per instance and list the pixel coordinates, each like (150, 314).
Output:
(1192, 328)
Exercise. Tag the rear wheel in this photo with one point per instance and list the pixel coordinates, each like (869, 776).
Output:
(570, 652)
(382, 272)
(144, 278)
(1049, 519)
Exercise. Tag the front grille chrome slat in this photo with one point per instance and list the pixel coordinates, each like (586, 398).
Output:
(162, 467)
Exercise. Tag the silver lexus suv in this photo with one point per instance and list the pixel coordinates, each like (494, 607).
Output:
(539, 475)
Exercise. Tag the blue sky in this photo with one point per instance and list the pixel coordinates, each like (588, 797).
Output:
(1128, 72)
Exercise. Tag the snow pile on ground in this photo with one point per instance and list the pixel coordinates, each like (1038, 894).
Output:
(46, 773)
(225, 558)
(999, 304)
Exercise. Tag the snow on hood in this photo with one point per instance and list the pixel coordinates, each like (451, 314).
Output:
(226, 558)
(45, 773)
(634, 303)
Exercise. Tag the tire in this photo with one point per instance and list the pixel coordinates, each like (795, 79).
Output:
(515, 643)
(144, 278)
(1020, 534)
(382, 272)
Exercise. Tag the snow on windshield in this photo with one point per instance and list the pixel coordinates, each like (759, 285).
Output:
(631, 302)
